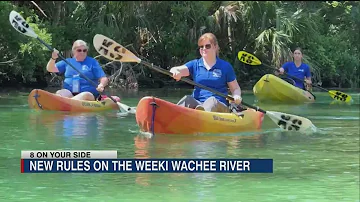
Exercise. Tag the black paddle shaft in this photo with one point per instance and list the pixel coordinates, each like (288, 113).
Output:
(62, 57)
(161, 70)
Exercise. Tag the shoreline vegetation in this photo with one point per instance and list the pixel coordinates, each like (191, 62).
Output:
(326, 31)
(26, 90)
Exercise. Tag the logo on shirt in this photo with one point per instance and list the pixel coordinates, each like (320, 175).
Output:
(217, 73)
(301, 70)
(85, 68)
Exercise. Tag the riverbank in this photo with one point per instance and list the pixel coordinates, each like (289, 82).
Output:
(248, 89)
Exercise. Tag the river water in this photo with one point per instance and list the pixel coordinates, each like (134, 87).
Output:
(323, 166)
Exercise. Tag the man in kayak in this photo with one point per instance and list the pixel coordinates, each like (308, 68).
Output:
(210, 71)
(298, 69)
(74, 86)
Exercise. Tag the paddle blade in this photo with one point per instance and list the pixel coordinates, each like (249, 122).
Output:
(248, 58)
(112, 50)
(126, 109)
(291, 122)
(18, 22)
(340, 96)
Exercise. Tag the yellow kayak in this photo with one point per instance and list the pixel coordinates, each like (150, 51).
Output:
(271, 88)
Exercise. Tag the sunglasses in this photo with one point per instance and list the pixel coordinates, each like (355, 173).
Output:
(84, 50)
(207, 46)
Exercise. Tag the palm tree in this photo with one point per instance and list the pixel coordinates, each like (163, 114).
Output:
(224, 17)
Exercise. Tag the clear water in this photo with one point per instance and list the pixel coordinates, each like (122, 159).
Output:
(319, 167)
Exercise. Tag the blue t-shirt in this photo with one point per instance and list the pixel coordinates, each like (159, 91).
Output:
(89, 67)
(216, 78)
(299, 72)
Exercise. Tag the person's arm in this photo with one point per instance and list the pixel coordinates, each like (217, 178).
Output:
(284, 68)
(104, 81)
(183, 70)
(51, 67)
(233, 85)
(308, 75)
(234, 88)
(99, 73)
(308, 78)
(58, 67)
(281, 70)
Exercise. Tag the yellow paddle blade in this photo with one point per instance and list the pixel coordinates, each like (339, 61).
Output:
(248, 58)
(112, 50)
(337, 102)
(340, 96)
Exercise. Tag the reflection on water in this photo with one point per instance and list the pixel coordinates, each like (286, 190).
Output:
(67, 127)
(323, 166)
(207, 146)
(80, 125)
(69, 124)
(141, 147)
(142, 152)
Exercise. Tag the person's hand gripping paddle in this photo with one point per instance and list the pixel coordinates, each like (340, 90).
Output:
(250, 59)
(20, 25)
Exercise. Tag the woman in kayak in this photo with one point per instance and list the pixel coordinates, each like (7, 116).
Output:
(298, 69)
(210, 71)
(74, 86)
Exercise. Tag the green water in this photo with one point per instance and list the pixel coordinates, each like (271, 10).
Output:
(319, 167)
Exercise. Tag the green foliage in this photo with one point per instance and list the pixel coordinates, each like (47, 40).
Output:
(30, 55)
(166, 33)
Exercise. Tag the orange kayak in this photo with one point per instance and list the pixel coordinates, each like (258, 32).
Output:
(163, 117)
(43, 100)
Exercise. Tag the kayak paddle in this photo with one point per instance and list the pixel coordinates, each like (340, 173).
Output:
(250, 59)
(18, 22)
(114, 51)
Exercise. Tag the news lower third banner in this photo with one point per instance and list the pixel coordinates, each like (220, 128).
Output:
(107, 162)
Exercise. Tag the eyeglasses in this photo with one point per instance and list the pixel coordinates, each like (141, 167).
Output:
(84, 50)
(207, 46)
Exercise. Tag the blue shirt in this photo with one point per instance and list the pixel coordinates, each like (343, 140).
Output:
(89, 67)
(299, 72)
(216, 78)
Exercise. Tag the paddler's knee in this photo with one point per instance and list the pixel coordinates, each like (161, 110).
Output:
(188, 101)
(64, 93)
(84, 96)
(184, 99)
(214, 105)
(212, 99)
